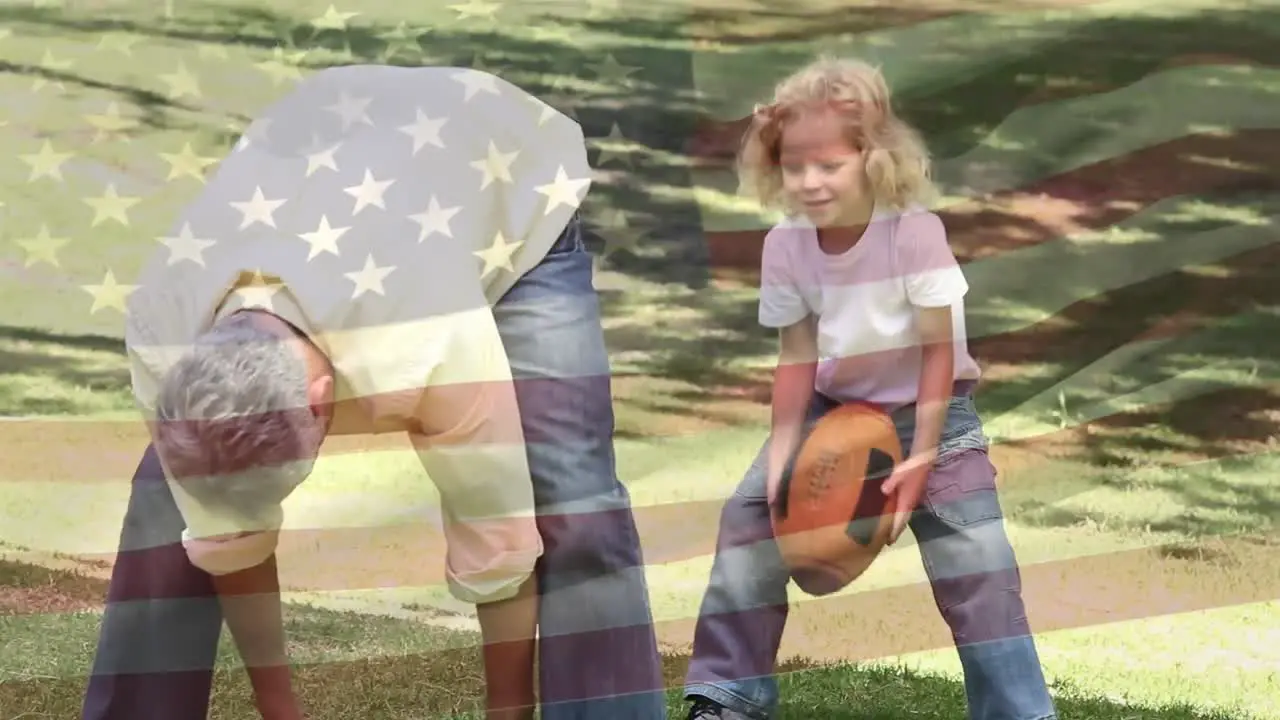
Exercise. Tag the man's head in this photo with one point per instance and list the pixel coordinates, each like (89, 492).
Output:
(241, 417)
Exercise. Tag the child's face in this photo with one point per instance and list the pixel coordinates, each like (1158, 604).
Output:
(823, 174)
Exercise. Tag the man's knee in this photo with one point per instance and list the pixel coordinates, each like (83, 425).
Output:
(590, 543)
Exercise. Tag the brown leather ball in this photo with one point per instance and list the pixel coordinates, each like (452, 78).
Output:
(830, 516)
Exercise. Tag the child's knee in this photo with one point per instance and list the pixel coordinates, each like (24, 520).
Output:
(744, 521)
(982, 607)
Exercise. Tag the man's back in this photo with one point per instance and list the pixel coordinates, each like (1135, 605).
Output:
(375, 208)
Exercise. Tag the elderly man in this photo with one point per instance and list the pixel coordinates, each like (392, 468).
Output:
(386, 250)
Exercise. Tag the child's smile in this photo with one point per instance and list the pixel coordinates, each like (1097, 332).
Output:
(823, 173)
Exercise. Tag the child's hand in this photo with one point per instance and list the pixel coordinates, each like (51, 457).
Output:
(908, 482)
(772, 483)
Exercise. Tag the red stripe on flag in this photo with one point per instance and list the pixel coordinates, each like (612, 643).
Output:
(1063, 594)
(413, 554)
(57, 449)
(1090, 198)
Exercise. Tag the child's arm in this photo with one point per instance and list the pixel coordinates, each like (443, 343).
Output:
(793, 383)
(936, 380)
(934, 284)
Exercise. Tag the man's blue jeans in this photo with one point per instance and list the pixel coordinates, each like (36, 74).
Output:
(598, 652)
(967, 557)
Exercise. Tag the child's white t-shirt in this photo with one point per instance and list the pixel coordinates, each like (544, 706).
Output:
(865, 301)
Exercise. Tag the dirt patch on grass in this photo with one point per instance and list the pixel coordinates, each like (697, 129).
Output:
(27, 589)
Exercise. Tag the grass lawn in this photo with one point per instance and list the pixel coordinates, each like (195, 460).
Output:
(1137, 463)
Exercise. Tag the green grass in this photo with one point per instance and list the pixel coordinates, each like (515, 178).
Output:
(1179, 520)
(1200, 534)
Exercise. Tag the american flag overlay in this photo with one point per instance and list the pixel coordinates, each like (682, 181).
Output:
(1108, 174)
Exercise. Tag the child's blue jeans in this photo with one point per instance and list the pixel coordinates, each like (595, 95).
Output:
(967, 557)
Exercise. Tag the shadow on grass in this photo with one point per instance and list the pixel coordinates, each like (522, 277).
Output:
(657, 107)
(1232, 500)
(45, 373)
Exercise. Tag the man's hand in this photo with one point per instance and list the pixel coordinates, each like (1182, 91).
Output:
(905, 487)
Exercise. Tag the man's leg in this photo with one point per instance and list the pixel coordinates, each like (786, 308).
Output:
(159, 636)
(598, 655)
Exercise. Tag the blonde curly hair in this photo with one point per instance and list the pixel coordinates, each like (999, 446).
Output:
(897, 160)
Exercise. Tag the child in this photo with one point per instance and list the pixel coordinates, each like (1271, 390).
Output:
(868, 300)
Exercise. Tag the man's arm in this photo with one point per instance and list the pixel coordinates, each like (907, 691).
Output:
(250, 601)
(471, 444)
(243, 571)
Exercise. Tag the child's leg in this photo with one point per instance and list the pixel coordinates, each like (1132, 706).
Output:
(977, 586)
(744, 609)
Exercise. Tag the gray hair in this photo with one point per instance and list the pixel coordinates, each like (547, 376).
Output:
(234, 423)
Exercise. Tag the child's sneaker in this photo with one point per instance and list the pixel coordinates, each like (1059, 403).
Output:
(706, 709)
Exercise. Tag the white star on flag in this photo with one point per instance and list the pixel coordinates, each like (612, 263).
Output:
(498, 254)
(54, 66)
(435, 219)
(259, 292)
(108, 294)
(352, 110)
(181, 83)
(111, 206)
(564, 191)
(187, 163)
(186, 246)
(424, 130)
(258, 209)
(613, 139)
(42, 247)
(47, 162)
(324, 238)
(333, 19)
(282, 66)
(613, 72)
(368, 192)
(321, 157)
(476, 82)
(495, 166)
(400, 39)
(453, 209)
(110, 122)
(369, 278)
